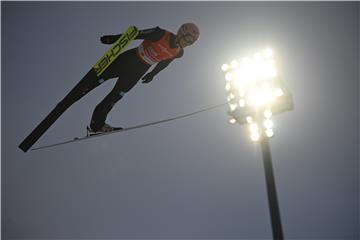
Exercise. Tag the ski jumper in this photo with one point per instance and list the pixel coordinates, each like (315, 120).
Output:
(158, 48)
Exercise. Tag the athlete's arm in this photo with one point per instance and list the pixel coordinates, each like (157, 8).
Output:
(159, 67)
(152, 34)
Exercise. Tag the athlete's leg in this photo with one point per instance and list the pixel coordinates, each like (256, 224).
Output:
(129, 68)
(104, 107)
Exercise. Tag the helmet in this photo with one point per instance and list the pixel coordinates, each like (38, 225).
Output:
(188, 31)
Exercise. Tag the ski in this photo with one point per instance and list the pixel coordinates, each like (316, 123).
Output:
(115, 50)
(79, 139)
(92, 136)
(95, 135)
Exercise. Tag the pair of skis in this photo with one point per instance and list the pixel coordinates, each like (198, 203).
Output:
(101, 65)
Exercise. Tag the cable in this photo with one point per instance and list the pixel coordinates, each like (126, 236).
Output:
(133, 127)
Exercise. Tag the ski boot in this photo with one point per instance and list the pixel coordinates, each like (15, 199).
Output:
(104, 129)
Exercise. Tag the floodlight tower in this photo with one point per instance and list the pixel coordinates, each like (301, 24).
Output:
(256, 92)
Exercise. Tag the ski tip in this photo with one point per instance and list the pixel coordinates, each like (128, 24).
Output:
(24, 148)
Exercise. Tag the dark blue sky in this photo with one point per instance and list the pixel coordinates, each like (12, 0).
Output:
(192, 178)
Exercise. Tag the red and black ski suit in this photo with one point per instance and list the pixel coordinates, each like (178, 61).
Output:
(158, 47)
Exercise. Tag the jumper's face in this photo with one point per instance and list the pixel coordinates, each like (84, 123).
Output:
(184, 40)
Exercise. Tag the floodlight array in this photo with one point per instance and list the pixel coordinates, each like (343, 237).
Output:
(255, 92)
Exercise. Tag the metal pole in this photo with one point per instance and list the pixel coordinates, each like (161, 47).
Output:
(271, 190)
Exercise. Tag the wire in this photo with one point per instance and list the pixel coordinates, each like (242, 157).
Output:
(133, 127)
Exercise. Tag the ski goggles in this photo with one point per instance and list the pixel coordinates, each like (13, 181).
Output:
(188, 38)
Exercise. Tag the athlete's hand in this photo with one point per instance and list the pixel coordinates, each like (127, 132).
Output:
(106, 40)
(147, 78)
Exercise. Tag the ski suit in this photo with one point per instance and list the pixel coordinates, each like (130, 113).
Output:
(158, 47)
